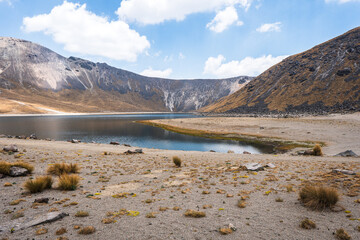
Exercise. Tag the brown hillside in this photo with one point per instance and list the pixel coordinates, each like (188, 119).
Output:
(325, 78)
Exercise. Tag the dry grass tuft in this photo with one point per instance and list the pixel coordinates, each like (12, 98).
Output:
(195, 214)
(16, 202)
(279, 199)
(38, 184)
(150, 215)
(81, 214)
(318, 198)
(241, 204)
(341, 234)
(87, 230)
(317, 151)
(5, 168)
(7, 184)
(59, 169)
(108, 220)
(61, 231)
(28, 166)
(41, 231)
(177, 161)
(225, 230)
(68, 182)
(307, 224)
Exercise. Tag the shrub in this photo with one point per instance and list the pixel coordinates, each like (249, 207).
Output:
(5, 168)
(87, 230)
(318, 197)
(177, 161)
(68, 182)
(342, 235)
(63, 168)
(307, 224)
(38, 184)
(28, 166)
(81, 214)
(195, 214)
(317, 151)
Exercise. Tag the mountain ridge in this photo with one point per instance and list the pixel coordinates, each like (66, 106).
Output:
(323, 79)
(34, 74)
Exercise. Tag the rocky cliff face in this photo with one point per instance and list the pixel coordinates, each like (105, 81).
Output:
(34, 74)
(325, 78)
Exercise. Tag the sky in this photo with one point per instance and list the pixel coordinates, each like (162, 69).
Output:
(180, 39)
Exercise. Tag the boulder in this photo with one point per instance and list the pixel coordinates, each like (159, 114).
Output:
(126, 145)
(11, 148)
(347, 153)
(18, 171)
(246, 152)
(254, 167)
(114, 143)
(41, 200)
(75, 141)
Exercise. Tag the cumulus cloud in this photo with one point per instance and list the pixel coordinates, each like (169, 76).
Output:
(341, 1)
(158, 11)
(157, 73)
(224, 19)
(249, 66)
(82, 31)
(270, 27)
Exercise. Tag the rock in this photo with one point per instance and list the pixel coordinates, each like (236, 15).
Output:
(347, 153)
(232, 227)
(254, 167)
(11, 148)
(42, 200)
(246, 152)
(270, 165)
(3, 136)
(75, 141)
(126, 145)
(33, 136)
(18, 171)
(212, 151)
(137, 151)
(230, 151)
(2, 176)
(347, 172)
(114, 143)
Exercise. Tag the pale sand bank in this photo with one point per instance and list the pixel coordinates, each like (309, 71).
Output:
(152, 175)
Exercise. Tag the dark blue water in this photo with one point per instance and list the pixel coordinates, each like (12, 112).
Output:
(118, 128)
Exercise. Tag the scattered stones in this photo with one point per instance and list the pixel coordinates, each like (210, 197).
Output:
(33, 136)
(347, 172)
(75, 141)
(18, 171)
(347, 153)
(254, 167)
(11, 148)
(137, 151)
(114, 143)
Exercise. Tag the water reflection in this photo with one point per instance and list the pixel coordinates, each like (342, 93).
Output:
(119, 128)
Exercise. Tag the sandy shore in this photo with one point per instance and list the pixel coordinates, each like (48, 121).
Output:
(154, 185)
(339, 132)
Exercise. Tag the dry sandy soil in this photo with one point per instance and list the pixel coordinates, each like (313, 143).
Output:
(154, 185)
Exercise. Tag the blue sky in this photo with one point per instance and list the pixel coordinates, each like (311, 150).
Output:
(180, 38)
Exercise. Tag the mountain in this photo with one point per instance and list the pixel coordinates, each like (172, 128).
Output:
(36, 79)
(325, 78)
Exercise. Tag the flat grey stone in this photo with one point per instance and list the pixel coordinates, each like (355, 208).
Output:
(347, 172)
(347, 153)
(11, 148)
(254, 167)
(18, 171)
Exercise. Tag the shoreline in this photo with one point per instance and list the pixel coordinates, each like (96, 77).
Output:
(83, 114)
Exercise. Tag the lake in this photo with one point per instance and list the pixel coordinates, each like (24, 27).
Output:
(118, 128)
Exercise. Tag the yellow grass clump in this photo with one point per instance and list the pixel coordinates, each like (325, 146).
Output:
(87, 230)
(318, 197)
(38, 184)
(5, 167)
(59, 169)
(81, 214)
(307, 224)
(68, 182)
(177, 161)
(317, 151)
(341, 234)
(61, 231)
(194, 214)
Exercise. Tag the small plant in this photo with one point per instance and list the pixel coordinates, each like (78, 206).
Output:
(318, 197)
(61, 231)
(41, 231)
(38, 184)
(225, 230)
(194, 214)
(59, 169)
(25, 165)
(341, 234)
(177, 161)
(307, 224)
(81, 214)
(150, 215)
(317, 151)
(241, 204)
(87, 230)
(68, 182)
(108, 220)
(279, 199)
(289, 188)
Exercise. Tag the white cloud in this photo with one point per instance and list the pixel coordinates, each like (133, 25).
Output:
(157, 73)
(158, 11)
(84, 32)
(249, 66)
(224, 19)
(341, 1)
(270, 27)
(181, 56)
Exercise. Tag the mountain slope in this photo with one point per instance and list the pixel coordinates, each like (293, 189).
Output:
(36, 76)
(325, 78)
